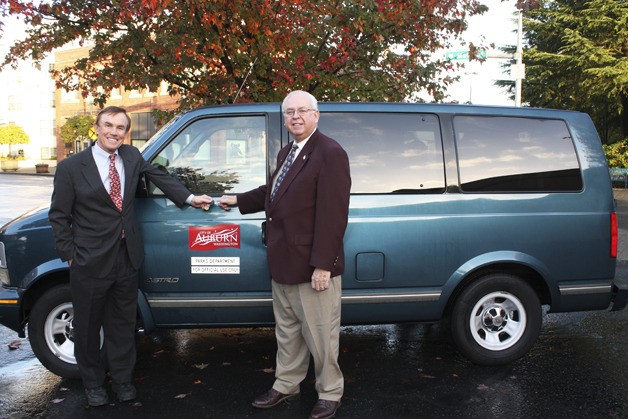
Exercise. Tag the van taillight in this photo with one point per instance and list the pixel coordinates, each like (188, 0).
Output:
(613, 235)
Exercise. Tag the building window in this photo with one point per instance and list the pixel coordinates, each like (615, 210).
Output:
(163, 88)
(142, 128)
(48, 153)
(68, 96)
(115, 93)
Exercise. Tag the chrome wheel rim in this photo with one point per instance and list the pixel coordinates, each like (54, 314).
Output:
(498, 321)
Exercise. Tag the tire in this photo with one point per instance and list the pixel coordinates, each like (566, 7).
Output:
(50, 332)
(496, 319)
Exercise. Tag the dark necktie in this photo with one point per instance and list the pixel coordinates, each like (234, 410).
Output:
(284, 170)
(114, 179)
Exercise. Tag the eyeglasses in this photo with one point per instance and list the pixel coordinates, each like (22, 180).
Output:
(298, 112)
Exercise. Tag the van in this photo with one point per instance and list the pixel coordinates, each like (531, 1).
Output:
(479, 216)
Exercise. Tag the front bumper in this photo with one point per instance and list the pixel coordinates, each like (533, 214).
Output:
(10, 313)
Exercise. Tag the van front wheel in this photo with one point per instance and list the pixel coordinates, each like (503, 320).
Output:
(496, 319)
(51, 332)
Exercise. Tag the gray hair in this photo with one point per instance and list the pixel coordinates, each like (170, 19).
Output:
(313, 101)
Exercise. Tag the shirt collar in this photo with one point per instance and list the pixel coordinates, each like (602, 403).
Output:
(102, 153)
(303, 142)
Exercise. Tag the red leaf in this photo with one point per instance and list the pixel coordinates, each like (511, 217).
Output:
(15, 344)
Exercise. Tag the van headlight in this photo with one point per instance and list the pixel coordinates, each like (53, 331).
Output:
(3, 257)
(4, 272)
(4, 277)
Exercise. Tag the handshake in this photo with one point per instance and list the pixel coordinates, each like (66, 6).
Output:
(205, 202)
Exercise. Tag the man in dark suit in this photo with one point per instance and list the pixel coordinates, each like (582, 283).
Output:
(307, 204)
(93, 221)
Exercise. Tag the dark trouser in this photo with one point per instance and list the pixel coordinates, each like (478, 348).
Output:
(110, 303)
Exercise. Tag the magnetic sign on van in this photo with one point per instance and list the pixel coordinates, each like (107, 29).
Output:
(213, 237)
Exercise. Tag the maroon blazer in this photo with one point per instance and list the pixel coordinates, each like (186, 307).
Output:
(306, 222)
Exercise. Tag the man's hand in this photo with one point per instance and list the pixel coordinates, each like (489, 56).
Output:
(202, 201)
(227, 201)
(320, 279)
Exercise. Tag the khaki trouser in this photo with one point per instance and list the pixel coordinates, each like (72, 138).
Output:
(308, 322)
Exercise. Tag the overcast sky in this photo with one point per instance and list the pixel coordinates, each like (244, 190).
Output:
(497, 26)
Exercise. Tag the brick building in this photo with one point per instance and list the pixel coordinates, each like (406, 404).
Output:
(139, 104)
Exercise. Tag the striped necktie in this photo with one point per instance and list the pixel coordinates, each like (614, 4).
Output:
(284, 170)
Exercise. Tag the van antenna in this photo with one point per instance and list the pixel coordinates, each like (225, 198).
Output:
(244, 81)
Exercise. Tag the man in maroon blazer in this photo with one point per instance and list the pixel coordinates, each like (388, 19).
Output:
(307, 205)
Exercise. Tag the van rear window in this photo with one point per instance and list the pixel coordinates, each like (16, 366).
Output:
(389, 153)
(508, 154)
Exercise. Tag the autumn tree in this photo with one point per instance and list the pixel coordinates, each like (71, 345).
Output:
(577, 58)
(77, 128)
(224, 51)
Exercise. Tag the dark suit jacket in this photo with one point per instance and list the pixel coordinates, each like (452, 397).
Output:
(86, 223)
(306, 222)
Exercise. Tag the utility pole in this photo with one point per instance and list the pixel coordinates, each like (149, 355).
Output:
(519, 68)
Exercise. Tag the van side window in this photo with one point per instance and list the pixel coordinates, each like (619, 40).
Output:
(390, 153)
(508, 154)
(217, 155)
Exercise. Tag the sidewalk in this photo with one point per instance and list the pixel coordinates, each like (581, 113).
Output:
(30, 171)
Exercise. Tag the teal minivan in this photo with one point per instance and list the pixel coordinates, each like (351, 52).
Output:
(476, 215)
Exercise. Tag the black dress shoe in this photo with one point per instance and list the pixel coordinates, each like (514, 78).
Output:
(272, 398)
(324, 409)
(97, 396)
(126, 392)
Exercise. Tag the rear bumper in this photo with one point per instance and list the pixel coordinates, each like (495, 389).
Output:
(620, 294)
(10, 314)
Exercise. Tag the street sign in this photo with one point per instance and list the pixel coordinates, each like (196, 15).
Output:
(463, 55)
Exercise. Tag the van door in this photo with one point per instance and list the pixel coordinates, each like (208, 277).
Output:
(394, 245)
(199, 260)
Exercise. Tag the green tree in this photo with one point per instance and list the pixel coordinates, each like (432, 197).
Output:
(617, 154)
(224, 51)
(11, 135)
(577, 58)
(77, 128)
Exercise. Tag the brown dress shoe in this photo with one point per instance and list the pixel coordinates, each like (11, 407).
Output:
(324, 409)
(272, 398)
